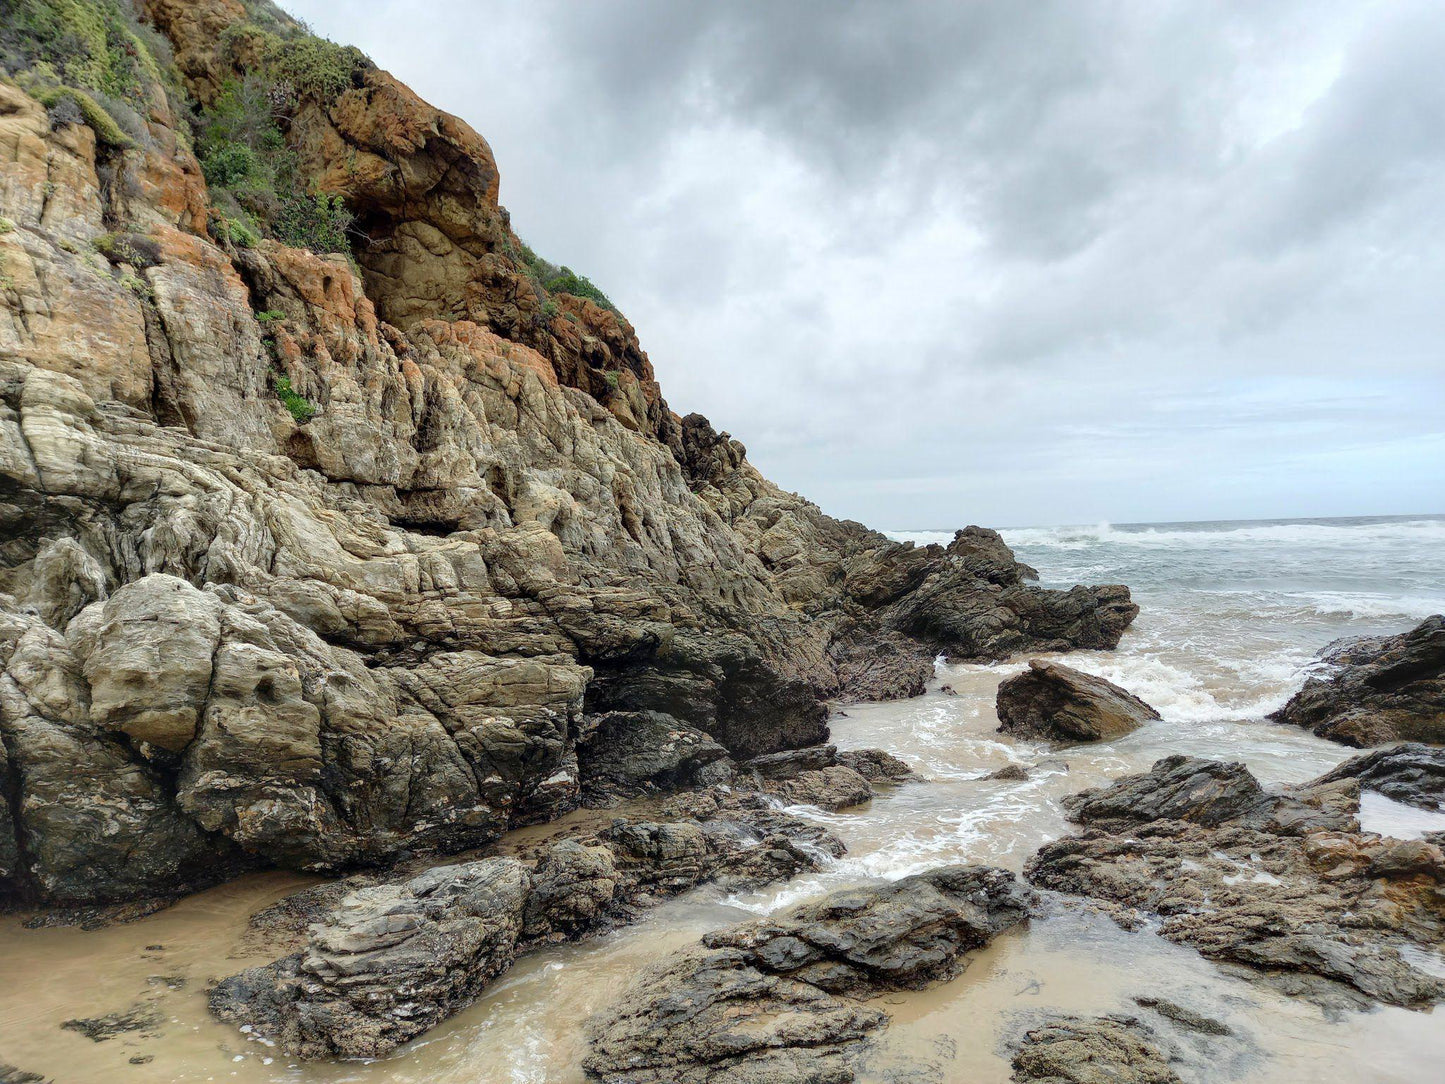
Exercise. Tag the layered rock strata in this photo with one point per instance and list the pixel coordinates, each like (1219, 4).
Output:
(785, 999)
(388, 961)
(301, 566)
(1282, 883)
(1378, 689)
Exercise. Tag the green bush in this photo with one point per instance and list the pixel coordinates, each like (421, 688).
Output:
(550, 278)
(132, 248)
(107, 131)
(269, 316)
(231, 164)
(236, 232)
(315, 67)
(315, 221)
(301, 408)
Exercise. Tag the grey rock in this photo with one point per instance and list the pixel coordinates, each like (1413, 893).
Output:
(779, 1000)
(876, 765)
(1091, 1050)
(382, 963)
(142, 1018)
(1413, 773)
(1282, 883)
(1382, 689)
(629, 753)
(1060, 703)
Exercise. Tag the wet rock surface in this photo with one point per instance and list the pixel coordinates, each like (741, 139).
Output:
(382, 963)
(822, 776)
(1381, 689)
(1059, 703)
(1091, 1050)
(782, 999)
(1280, 882)
(1412, 773)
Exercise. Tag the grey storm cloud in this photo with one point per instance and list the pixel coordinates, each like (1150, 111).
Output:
(938, 263)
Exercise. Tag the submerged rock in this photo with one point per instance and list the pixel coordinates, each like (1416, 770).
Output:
(781, 999)
(1383, 689)
(386, 962)
(1059, 703)
(1281, 882)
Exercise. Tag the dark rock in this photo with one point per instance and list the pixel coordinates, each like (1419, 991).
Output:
(879, 665)
(985, 554)
(1383, 689)
(143, 1018)
(1010, 772)
(1281, 883)
(141, 1059)
(98, 916)
(1059, 703)
(1205, 792)
(1412, 773)
(386, 962)
(876, 765)
(1091, 1050)
(629, 753)
(778, 1000)
(9, 1074)
(822, 776)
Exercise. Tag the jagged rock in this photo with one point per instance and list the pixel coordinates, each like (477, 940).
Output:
(1091, 1050)
(1410, 773)
(1062, 704)
(1184, 1016)
(9, 1074)
(988, 556)
(779, 999)
(233, 636)
(1383, 689)
(627, 753)
(383, 963)
(1280, 882)
(1182, 788)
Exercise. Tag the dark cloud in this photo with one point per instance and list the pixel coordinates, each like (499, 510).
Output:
(941, 262)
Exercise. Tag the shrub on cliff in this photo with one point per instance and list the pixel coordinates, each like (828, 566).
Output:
(253, 174)
(551, 279)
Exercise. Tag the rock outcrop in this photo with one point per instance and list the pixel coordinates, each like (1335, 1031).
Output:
(1409, 773)
(1059, 703)
(1280, 882)
(1091, 1050)
(301, 566)
(388, 961)
(783, 999)
(1382, 689)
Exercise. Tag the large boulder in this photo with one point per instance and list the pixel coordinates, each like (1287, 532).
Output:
(781, 999)
(1381, 689)
(1059, 703)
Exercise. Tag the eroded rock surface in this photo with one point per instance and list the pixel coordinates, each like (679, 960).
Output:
(1091, 1050)
(783, 999)
(1412, 773)
(237, 635)
(1382, 689)
(382, 963)
(1282, 883)
(1059, 703)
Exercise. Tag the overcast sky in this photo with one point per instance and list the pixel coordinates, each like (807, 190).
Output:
(1003, 263)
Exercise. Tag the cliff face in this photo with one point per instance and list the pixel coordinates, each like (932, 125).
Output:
(306, 561)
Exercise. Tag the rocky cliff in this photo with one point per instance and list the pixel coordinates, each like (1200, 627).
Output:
(310, 557)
